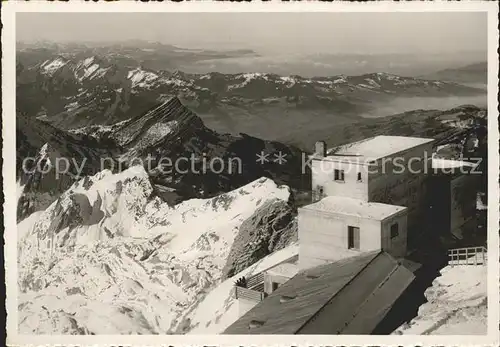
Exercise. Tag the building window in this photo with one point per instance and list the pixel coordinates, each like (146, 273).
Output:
(338, 175)
(352, 237)
(359, 177)
(275, 286)
(394, 230)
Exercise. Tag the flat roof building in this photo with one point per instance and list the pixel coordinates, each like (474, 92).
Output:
(355, 207)
(374, 148)
(337, 227)
(353, 239)
(391, 170)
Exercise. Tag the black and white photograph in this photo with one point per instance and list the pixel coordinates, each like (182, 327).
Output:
(253, 173)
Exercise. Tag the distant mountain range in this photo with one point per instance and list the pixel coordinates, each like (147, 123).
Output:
(71, 89)
(162, 56)
(473, 74)
(151, 55)
(170, 130)
(74, 105)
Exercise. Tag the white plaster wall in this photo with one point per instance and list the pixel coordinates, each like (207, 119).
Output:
(463, 201)
(393, 183)
(323, 175)
(270, 278)
(323, 236)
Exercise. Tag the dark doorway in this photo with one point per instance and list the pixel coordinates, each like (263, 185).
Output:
(352, 237)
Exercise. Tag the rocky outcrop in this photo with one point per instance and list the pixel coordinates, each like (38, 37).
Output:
(113, 259)
(50, 160)
(456, 303)
(162, 137)
(272, 227)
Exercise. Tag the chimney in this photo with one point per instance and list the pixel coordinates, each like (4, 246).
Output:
(320, 149)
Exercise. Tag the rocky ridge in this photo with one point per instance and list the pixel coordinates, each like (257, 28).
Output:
(160, 138)
(110, 257)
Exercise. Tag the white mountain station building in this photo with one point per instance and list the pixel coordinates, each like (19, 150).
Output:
(374, 201)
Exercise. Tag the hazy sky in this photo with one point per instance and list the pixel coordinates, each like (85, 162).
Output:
(279, 32)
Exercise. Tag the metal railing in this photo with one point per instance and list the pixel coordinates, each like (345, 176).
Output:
(468, 256)
(255, 281)
(248, 294)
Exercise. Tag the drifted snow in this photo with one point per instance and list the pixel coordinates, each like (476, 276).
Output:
(248, 77)
(43, 151)
(177, 82)
(479, 203)
(88, 62)
(72, 106)
(290, 81)
(141, 78)
(366, 86)
(406, 81)
(50, 67)
(341, 79)
(456, 304)
(328, 83)
(155, 133)
(129, 263)
(387, 76)
(81, 92)
(372, 83)
(89, 69)
(98, 130)
(43, 154)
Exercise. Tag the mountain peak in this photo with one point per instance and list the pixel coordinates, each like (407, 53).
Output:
(49, 67)
(166, 118)
(142, 78)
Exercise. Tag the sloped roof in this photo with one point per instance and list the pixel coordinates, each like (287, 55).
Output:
(285, 269)
(361, 290)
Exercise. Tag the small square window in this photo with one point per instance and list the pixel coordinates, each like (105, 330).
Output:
(338, 175)
(275, 286)
(394, 230)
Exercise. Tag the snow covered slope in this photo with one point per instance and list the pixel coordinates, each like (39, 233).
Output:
(109, 257)
(456, 304)
(219, 309)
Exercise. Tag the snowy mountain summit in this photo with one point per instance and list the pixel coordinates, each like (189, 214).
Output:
(110, 257)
